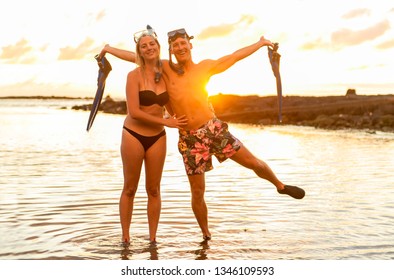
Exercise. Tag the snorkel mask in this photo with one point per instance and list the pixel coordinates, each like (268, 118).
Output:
(172, 36)
(149, 31)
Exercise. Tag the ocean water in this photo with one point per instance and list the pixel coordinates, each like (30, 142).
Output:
(60, 186)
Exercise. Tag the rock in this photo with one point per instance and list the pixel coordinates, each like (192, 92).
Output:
(351, 92)
(373, 112)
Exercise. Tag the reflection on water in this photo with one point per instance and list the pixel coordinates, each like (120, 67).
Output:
(59, 191)
(151, 248)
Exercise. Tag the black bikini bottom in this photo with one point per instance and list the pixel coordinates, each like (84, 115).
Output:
(146, 141)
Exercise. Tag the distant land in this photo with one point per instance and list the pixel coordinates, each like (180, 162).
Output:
(350, 111)
(44, 97)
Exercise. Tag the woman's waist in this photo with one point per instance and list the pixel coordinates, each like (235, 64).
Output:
(142, 128)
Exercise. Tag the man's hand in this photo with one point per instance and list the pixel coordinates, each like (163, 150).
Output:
(265, 42)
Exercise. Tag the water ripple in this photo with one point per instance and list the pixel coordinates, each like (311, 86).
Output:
(59, 193)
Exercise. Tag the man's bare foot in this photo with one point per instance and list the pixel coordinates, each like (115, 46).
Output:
(293, 191)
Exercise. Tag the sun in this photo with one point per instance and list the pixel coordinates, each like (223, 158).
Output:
(212, 89)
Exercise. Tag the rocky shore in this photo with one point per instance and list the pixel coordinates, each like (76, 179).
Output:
(369, 112)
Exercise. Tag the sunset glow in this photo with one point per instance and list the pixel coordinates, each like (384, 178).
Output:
(326, 46)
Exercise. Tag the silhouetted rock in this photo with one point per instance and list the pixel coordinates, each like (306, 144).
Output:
(107, 106)
(351, 92)
(372, 112)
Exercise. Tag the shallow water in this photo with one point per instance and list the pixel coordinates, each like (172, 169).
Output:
(59, 191)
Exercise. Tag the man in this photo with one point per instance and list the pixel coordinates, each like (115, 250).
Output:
(205, 135)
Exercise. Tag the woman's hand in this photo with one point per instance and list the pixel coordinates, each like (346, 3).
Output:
(175, 122)
(104, 51)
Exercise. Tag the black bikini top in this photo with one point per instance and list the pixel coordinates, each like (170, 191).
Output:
(148, 97)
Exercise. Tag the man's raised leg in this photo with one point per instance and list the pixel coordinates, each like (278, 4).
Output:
(245, 158)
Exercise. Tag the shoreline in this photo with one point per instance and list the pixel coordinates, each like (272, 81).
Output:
(364, 112)
(369, 112)
(46, 97)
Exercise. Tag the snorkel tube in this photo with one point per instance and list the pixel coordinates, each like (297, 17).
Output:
(177, 69)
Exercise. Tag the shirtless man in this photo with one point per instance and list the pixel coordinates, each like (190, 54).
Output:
(205, 135)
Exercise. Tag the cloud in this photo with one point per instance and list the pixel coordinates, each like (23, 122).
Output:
(18, 53)
(44, 48)
(386, 45)
(369, 66)
(100, 15)
(31, 87)
(225, 29)
(356, 13)
(79, 52)
(317, 44)
(347, 37)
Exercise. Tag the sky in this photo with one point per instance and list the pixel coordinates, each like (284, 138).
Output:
(48, 47)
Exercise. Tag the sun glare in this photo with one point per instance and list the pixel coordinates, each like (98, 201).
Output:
(347, 42)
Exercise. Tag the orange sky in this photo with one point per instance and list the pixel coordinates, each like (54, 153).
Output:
(326, 46)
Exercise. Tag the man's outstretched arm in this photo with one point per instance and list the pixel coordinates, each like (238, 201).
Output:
(222, 64)
(119, 53)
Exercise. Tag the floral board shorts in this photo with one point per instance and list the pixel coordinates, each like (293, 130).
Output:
(197, 146)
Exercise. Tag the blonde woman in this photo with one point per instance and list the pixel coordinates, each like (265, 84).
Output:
(144, 136)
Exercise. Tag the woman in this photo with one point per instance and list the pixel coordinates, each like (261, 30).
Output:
(143, 136)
